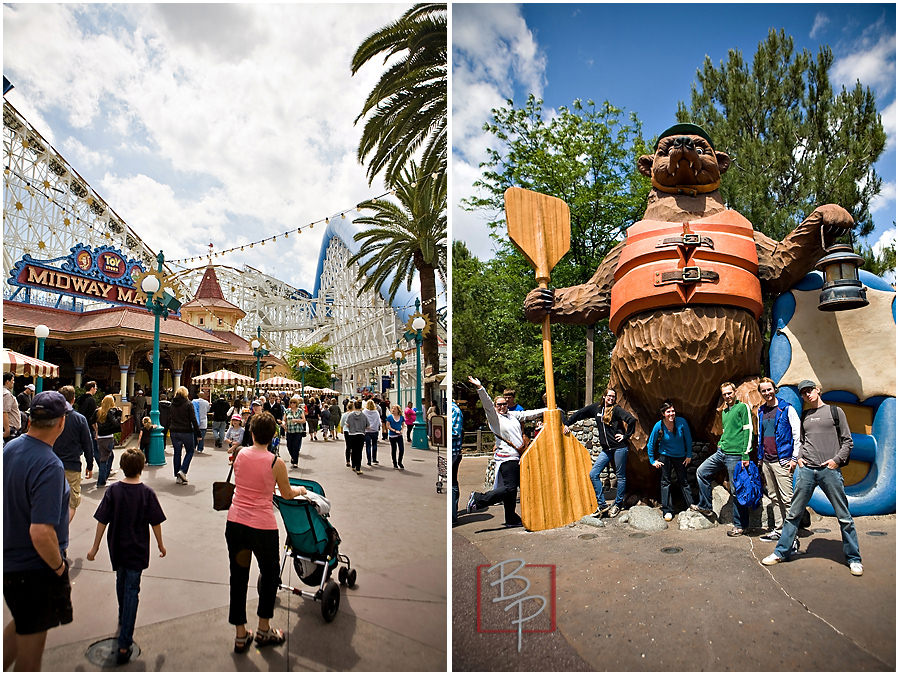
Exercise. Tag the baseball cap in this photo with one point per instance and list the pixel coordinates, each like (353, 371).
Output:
(805, 384)
(29, 386)
(237, 417)
(49, 405)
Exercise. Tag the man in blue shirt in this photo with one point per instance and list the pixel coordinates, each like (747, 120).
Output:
(35, 535)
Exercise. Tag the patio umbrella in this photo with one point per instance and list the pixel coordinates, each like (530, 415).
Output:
(19, 364)
(220, 377)
(279, 383)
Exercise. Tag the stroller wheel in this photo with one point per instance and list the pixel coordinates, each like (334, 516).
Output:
(331, 600)
(342, 575)
(351, 577)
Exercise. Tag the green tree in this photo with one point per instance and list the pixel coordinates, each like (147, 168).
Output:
(404, 238)
(882, 263)
(795, 144)
(318, 359)
(408, 106)
(587, 156)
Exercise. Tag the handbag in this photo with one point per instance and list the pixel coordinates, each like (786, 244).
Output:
(223, 492)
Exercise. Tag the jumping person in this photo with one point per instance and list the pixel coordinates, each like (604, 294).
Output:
(509, 442)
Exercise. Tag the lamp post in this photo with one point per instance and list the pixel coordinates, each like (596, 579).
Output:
(420, 433)
(40, 332)
(160, 304)
(302, 366)
(258, 351)
(398, 357)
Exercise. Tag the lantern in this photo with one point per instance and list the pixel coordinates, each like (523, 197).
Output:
(842, 289)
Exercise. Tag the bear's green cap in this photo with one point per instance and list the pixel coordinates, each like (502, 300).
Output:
(685, 128)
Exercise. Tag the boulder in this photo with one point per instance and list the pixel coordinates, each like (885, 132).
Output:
(646, 519)
(693, 520)
(593, 522)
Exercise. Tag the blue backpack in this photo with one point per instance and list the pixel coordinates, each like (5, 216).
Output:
(747, 485)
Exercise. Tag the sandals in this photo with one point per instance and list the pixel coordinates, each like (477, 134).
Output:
(243, 644)
(273, 636)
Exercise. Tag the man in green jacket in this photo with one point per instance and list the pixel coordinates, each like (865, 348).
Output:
(734, 447)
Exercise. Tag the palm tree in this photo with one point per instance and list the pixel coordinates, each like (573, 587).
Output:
(406, 238)
(408, 106)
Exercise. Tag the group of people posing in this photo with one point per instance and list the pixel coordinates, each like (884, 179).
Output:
(795, 452)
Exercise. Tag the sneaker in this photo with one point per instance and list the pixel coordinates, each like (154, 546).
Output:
(470, 506)
(183, 477)
(771, 559)
(599, 512)
(705, 512)
(359, 473)
(856, 569)
(772, 536)
(178, 480)
(668, 517)
(294, 466)
(518, 523)
(348, 463)
(795, 547)
(735, 532)
(615, 510)
(374, 461)
(401, 465)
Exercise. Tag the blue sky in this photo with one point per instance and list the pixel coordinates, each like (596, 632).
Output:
(643, 58)
(204, 123)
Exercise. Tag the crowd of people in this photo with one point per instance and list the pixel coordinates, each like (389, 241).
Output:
(813, 445)
(45, 438)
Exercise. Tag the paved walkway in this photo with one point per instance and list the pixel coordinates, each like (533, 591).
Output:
(393, 528)
(672, 600)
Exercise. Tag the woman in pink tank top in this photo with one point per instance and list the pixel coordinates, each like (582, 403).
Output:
(251, 528)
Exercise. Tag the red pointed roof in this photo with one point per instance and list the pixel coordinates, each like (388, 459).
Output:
(209, 286)
(209, 294)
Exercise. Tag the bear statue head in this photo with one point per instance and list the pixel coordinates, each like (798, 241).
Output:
(685, 161)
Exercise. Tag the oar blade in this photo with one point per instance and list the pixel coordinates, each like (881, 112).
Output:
(554, 479)
(538, 225)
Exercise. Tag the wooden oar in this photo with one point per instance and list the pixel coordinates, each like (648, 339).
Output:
(556, 488)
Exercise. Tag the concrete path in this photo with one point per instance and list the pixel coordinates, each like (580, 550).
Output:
(671, 600)
(392, 526)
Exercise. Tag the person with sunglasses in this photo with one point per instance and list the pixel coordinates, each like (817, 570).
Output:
(615, 426)
(507, 428)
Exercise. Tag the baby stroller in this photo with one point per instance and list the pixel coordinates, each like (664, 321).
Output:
(312, 543)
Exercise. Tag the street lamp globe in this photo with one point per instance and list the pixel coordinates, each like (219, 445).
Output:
(150, 285)
(398, 355)
(255, 345)
(418, 323)
(301, 364)
(41, 331)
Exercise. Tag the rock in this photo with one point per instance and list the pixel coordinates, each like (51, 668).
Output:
(593, 522)
(646, 519)
(623, 518)
(721, 503)
(693, 520)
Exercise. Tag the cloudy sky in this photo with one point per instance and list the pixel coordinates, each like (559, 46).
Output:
(204, 124)
(612, 52)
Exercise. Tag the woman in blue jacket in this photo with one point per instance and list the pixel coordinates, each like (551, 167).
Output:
(671, 439)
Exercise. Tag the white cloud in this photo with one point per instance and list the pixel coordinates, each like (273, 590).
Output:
(217, 115)
(889, 122)
(494, 55)
(874, 66)
(886, 199)
(887, 238)
(818, 24)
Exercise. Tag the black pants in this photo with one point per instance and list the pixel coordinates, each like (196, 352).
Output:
(396, 441)
(357, 441)
(244, 541)
(504, 492)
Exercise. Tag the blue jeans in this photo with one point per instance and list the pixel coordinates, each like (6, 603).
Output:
(104, 467)
(186, 440)
(665, 482)
(128, 585)
(831, 481)
(202, 439)
(219, 429)
(619, 457)
(457, 458)
(371, 446)
(714, 463)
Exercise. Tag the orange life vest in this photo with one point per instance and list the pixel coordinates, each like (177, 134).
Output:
(711, 261)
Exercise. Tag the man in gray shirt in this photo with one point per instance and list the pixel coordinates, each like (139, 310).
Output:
(824, 448)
